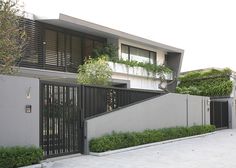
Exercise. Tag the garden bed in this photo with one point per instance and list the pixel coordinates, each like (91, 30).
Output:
(121, 140)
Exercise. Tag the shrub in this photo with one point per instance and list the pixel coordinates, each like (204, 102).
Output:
(95, 71)
(128, 139)
(12, 157)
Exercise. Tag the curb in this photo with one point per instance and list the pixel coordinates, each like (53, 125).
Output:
(148, 145)
(43, 163)
(33, 166)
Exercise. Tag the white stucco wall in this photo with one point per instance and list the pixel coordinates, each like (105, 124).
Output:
(169, 110)
(16, 126)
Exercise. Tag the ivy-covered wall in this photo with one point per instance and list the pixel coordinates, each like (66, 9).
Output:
(206, 83)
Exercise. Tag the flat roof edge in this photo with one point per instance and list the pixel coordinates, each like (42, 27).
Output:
(118, 33)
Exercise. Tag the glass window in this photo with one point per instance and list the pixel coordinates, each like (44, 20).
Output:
(152, 58)
(137, 54)
(124, 52)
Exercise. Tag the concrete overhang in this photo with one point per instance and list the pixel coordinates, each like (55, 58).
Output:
(76, 24)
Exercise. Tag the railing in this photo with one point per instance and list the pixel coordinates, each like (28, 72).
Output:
(98, 100)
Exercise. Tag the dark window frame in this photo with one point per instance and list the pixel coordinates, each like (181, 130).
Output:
(68, 34)
(149, 52)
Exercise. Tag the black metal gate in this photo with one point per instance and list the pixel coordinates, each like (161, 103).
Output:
(219, 114)
(65, 106)
(61, 126)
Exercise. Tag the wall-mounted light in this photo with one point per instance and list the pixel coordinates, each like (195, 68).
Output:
(28, 96)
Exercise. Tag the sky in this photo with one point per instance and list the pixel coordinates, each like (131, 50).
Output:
(204, 29)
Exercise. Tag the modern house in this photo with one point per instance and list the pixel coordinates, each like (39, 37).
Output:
(58, 46)
(42, 104)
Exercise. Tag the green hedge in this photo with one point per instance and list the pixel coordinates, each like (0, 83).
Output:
(12, 157)
(206, 83)
(124, 140)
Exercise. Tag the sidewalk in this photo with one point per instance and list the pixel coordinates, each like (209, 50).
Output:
(216, 150)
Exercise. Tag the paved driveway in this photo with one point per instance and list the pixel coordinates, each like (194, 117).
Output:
(217, 150)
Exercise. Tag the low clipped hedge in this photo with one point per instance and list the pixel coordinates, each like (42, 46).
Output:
(12, 157)
(124, 140)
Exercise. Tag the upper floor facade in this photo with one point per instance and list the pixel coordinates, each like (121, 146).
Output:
(62, 44)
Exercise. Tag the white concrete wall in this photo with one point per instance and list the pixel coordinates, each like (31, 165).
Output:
(232, 104)
(138, 82)
(198, 110)
(232, 111)
(16, 126)
(170, 110)
(138, 77)
(233, 79)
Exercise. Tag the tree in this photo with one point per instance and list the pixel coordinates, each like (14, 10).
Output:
(95, 71)
(12, 35)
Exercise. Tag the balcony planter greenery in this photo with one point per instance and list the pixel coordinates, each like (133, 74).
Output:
(132, 67)
(137, 70)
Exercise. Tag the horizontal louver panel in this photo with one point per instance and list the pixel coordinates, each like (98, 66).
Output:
(49, 48)
(33, 51)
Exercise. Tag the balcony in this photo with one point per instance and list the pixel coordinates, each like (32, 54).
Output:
(135, 71)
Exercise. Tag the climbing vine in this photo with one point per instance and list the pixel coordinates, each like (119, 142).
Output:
(206, 83)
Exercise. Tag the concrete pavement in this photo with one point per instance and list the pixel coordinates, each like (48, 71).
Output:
(216, 150)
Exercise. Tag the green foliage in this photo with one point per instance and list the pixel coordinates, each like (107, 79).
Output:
(95, 72)
(212, 73)
(12, 157)
(12, 35)
(124, 140)
(112, 52)
(153, 68)
(206, 83)
(109, 49)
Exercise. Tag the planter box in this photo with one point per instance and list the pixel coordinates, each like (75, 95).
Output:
(135, 71)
